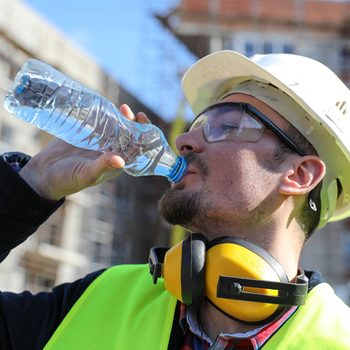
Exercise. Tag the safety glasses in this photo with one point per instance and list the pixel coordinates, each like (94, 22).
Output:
(238, 121)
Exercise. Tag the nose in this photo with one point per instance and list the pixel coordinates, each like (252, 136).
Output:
(191, 141)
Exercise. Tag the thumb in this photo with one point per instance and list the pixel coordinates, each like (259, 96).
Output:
(105, 167)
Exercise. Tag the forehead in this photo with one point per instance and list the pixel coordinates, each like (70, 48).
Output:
(274, 116)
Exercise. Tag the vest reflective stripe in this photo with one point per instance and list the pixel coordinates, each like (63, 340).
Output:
(121, 309)
(323, 322)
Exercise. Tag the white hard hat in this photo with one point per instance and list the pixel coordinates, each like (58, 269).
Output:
(323, 97)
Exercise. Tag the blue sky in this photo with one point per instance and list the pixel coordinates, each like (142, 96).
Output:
(128, 42)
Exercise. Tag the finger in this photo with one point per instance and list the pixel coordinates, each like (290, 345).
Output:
(142, 118)
(116, 162)
(126, 111)
(110, 161)
(107, 166)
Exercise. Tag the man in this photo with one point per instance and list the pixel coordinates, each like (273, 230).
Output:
(268, 162)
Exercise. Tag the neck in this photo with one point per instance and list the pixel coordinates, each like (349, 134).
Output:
(214, 322)
(282, 242)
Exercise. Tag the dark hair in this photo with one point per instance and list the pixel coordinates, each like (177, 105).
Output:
(308, 218)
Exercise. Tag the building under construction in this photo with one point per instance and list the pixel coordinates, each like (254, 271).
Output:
(115, 222)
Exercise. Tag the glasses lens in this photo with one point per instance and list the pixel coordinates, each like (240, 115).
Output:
(198, 122)
(251, 128)
(228, 122)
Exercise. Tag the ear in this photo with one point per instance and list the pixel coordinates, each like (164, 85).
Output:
(302, 176)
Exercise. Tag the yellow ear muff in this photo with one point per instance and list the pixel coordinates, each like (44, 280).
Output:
(239, 278)
(183, 270)
(172, 272)
(241, 259)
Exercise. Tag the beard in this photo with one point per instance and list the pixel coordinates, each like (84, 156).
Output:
(185, 208)
(180, 208)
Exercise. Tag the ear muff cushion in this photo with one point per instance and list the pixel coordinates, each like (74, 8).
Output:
(239, 258)
(183, 270)
(192, 270)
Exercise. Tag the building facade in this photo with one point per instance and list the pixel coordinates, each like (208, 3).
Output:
(315, 28)
(100, 225)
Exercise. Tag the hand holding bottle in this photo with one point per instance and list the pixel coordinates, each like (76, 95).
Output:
(61, 169)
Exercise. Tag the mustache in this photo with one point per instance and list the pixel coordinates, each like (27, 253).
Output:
(198, 162)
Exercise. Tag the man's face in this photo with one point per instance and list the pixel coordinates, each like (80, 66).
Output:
(230, 184)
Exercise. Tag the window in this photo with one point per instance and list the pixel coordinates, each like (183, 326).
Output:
(345, 63)
(40, 271)
(288, 48)
(252, 43)
(249, 49)
(267, 48)
(52, 231)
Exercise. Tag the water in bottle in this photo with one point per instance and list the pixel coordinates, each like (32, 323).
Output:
(45, 97)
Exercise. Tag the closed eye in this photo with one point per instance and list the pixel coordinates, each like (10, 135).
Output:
(227, 126)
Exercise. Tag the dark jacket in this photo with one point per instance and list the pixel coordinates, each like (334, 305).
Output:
(27, 321)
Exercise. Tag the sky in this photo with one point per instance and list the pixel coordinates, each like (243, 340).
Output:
(128, 42)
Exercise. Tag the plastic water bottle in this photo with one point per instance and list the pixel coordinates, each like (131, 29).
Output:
(45, 97)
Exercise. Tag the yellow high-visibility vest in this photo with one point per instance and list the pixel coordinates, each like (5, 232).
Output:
(122, 309)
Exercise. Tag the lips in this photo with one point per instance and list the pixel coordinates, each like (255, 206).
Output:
(180, 185)
(190, 171)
